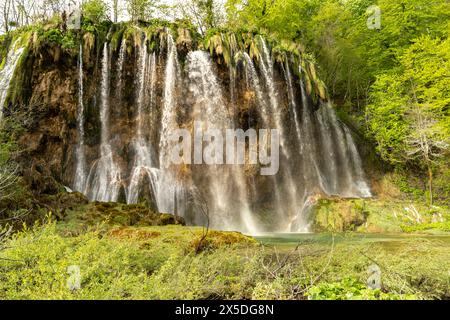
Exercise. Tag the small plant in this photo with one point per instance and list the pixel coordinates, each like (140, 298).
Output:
(351, 289)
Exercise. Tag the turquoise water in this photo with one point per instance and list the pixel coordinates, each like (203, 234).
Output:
(293, 239)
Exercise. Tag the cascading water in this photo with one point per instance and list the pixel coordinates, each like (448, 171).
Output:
(267, 67)
(168, 121)
(144, 163)
(169, 192)
(80, 170)
(120, 62)
(292, 102)
(318, 155)
(7, 73)
(254, 83)
(166, 192)
(104, 180)
(226, 186)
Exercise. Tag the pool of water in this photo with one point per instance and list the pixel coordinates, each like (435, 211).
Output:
(293, 239)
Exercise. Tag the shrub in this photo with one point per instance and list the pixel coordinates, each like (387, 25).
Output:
(351, 289)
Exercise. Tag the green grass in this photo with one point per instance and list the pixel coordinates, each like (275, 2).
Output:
(161, 262)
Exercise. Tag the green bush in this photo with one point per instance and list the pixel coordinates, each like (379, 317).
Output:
(95, 11)
(351, 289)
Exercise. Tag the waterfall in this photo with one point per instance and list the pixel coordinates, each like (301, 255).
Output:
(105, 175)
(293, 103)
(80, 171)
(318, 155)
(168, 121)
(144, 159)
(167, 193)
(289, 185)
(120, 62)
(309, 148)
(268, 75)
(254, 83)
(361, 188)
(329, 154)
(152, 87)
(7, 73)
(226, 186)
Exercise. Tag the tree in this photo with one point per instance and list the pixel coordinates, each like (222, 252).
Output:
(6, 9)
(95, 11)
(141, 9)
(425, 142)
(205, 14)
(115, 8)
(408, 115)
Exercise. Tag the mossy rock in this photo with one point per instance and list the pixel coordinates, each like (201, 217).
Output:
(216, 239)
(339, 215)
(111, 214)
(187, 239)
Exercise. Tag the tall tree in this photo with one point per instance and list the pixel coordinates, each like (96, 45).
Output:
(141, 9)
(409, 115)
(205, 14)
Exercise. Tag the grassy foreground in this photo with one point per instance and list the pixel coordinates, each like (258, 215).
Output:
(119, 261)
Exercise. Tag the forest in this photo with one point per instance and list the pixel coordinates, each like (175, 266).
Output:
(91, 92)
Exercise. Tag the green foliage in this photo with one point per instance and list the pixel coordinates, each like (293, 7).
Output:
(418, 87)
(7, 146)
(95, 11)
(439, 226)
(38, 268)
(161, 263)
(67, 39)
(385, 215)
(351, 289)
(350, 54)
(141, 9)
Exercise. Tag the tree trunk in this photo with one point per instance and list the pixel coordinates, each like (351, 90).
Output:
(430, 183)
